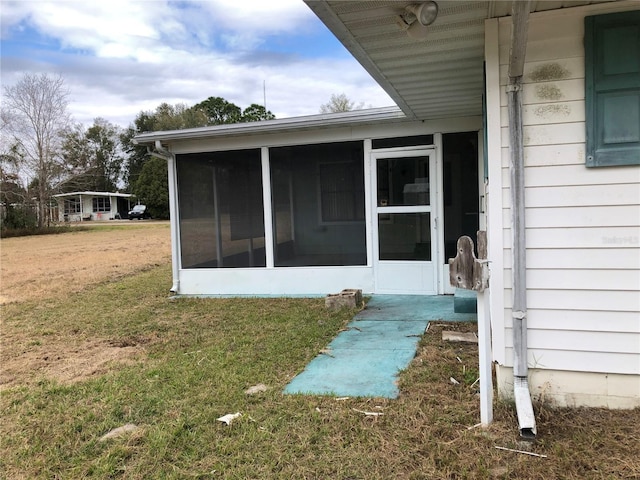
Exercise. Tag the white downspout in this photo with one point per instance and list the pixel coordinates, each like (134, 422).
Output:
(160, 152)
(522, 394)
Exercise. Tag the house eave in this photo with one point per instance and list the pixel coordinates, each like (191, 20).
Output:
(435, 77)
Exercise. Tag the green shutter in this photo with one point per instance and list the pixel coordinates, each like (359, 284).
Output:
(612, 76)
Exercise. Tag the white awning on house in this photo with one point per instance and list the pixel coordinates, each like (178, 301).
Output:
(439, 76)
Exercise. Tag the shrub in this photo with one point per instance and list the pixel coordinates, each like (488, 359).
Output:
(19, 218)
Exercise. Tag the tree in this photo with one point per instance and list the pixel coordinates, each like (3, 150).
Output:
(14, 198)
(339, 103)
(152, 187)
(256, 113)
(219, 111)
(36, 109)
(212, 111)
(177, 117)
(165, 117)
(93, 157)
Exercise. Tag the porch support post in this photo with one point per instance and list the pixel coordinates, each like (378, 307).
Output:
(216, 212)
(490, 324)
(269, 230)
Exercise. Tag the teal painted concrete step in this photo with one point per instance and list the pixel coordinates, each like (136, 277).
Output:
(465, 301)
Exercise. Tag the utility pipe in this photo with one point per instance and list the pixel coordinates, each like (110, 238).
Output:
(521, 392)
(159, 151)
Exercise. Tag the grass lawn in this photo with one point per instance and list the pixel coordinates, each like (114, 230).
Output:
(185, 363)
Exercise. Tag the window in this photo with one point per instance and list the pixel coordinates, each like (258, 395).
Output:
(612, 78)
(72, 205)
(410, 141)
(102, 204)
(318, 205)
(341, 192)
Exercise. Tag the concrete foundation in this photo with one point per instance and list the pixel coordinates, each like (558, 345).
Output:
(575, 389)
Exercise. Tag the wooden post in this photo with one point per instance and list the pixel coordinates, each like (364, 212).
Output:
(466, 271)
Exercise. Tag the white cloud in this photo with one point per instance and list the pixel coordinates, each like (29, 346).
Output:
(120, 57)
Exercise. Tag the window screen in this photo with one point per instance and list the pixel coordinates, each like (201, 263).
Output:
(318, 204)
(221, 209)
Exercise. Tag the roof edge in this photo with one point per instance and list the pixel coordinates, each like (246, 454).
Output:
(102, 194)
(354, 117)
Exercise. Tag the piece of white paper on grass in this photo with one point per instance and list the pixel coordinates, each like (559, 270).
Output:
(229, 417)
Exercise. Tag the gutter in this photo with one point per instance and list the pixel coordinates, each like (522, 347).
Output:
(521, 391)
(159, 151)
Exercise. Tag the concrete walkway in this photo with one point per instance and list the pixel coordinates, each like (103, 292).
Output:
(381, 340)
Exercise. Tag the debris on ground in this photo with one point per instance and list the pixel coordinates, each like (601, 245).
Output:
(261, 387)
(229, 417)
(465, 337)
(368, 414)
(521, 451)
(120, 431)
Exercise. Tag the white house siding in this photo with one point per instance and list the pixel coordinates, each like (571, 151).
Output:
(87, 208)
(582, 229)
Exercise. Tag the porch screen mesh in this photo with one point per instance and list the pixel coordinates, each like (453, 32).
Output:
(221, 209)
(318, 204)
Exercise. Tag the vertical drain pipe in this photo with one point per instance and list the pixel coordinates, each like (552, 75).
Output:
(159, 151)
(526, 418)
(522, 395)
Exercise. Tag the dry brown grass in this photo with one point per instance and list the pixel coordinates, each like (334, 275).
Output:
(43, 266)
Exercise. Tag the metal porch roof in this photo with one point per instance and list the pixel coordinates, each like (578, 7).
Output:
(440, 76)
(291, 124)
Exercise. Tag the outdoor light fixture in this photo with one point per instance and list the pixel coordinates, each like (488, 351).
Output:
(425, 13)
(417, 17)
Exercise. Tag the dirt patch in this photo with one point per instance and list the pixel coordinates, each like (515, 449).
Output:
(50, 266)
(66, 363)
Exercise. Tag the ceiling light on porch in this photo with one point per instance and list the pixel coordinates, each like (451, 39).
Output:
(417, 17)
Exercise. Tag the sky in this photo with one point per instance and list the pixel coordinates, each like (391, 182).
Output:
(121, 57)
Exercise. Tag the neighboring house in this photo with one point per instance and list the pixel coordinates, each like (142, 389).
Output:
(376, 199)
(98, 206)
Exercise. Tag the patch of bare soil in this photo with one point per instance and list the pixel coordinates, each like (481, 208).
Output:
(66, 363)
(46, 266)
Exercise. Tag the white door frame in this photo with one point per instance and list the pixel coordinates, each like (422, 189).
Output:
(426, 274)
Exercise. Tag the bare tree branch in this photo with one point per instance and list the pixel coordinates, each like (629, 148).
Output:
(35, 114)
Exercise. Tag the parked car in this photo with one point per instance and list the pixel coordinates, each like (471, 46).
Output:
(140, 212)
